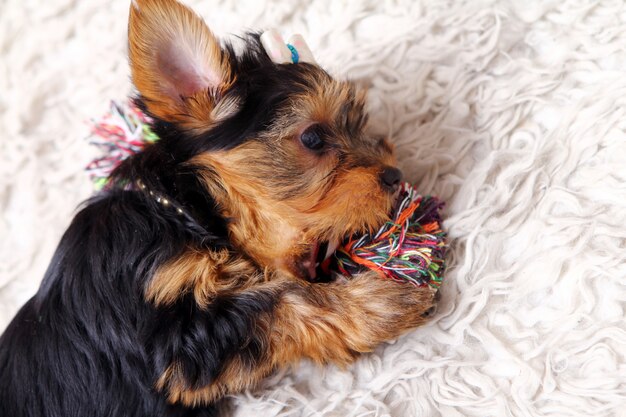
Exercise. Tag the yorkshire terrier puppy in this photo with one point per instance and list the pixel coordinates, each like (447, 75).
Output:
(194, 275)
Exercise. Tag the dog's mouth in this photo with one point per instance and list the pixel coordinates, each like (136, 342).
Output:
(311, 256)
(314, 264)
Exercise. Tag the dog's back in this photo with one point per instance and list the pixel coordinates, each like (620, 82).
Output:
(78, 347)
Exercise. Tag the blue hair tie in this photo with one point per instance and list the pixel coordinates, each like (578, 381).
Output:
(294, 53)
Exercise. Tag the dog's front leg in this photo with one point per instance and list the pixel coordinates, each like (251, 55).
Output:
(205, 348)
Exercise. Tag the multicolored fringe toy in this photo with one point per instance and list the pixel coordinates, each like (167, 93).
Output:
(409, 248)
(120, 133)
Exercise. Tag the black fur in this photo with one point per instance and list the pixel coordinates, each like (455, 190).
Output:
(88, 344)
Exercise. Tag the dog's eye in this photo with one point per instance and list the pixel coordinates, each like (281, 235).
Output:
(313, 138)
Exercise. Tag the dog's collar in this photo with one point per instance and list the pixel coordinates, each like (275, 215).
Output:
(192, 225)
(162, 199)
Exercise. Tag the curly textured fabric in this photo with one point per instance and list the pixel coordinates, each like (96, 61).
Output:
(514, 113)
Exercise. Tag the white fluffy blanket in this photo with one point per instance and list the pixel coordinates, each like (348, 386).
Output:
(513, 112)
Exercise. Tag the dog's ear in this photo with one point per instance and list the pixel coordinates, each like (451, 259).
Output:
(177, 63)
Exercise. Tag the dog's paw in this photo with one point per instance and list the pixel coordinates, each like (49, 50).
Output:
(385, 308)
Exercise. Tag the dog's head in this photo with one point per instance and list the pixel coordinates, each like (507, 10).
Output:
(280, 147)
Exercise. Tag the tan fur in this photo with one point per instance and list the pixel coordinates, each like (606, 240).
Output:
(205, 274)
(160, 30)
(326, 323)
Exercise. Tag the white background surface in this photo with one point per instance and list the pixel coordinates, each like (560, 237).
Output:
(514, 112)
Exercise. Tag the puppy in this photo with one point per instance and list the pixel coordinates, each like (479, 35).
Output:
(194, 275)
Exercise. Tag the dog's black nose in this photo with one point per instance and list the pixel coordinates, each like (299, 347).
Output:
(390, 178)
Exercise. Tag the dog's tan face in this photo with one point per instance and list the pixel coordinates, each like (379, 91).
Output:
(306, 178)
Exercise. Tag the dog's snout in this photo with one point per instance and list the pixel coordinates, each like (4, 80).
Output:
(390, 178)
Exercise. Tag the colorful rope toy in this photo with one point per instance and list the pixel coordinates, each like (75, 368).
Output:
(120, 133)
(411, 247)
